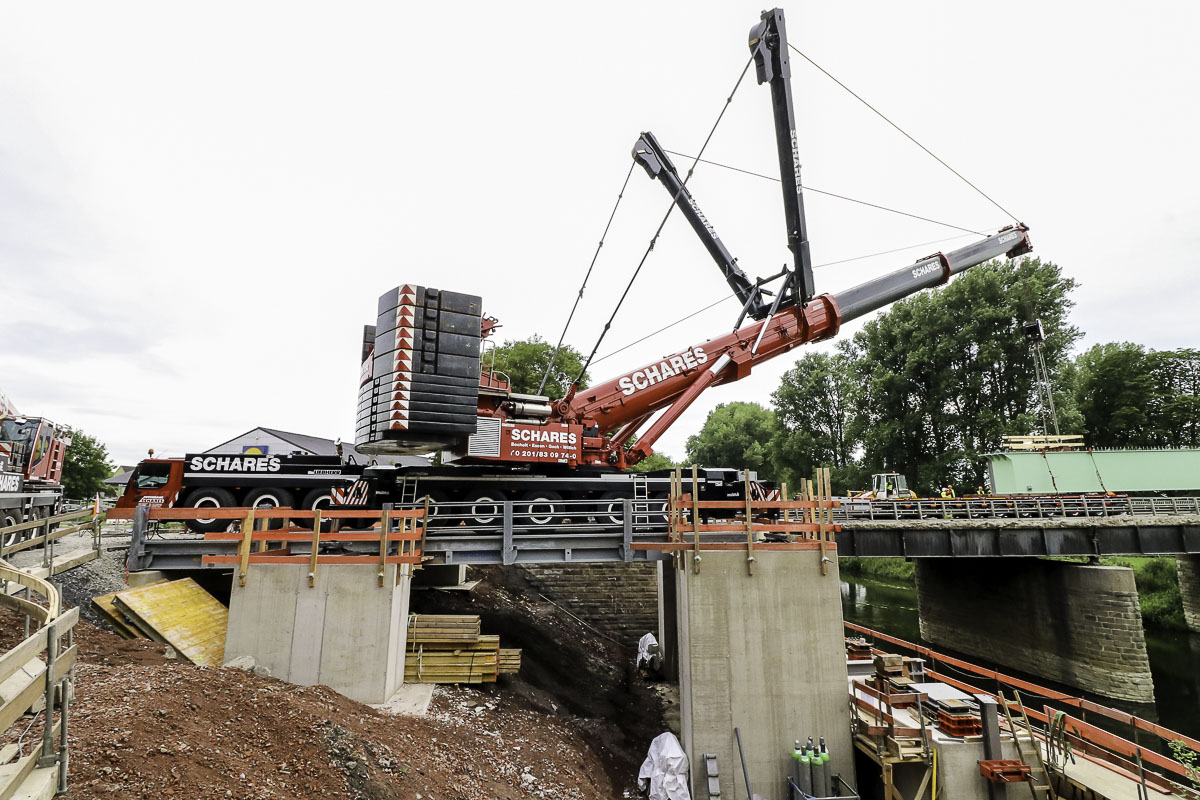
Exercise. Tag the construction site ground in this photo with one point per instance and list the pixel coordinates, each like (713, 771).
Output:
(576, 723)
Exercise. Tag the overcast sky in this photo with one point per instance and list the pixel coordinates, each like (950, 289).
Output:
(200, 205)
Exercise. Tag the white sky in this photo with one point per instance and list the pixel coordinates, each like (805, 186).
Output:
(200, 205)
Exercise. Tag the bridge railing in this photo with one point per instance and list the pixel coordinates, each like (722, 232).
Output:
(45, 686)
(1036, 507)
(1110, 749)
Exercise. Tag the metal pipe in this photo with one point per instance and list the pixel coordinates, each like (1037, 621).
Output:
(738, 735)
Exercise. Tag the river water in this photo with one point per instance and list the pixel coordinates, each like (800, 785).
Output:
(1174, 655)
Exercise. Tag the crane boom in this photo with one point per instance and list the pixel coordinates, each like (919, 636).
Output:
(677, 380)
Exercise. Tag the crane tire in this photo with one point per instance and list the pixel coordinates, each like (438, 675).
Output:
(541, 506)
(611, 510)
(316, 499)
(209, 497)
(485, 508)
(271, 498)
(6, 520)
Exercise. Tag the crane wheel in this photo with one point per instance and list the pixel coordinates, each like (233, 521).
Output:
(271, 498)
(9, 538)
(209, 497)
(541, 506)
(485, 508)
(316, 499)
(611, 510)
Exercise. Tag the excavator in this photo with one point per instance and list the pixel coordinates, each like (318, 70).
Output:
(423, 386)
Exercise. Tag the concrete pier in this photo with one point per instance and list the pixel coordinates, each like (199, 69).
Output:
(764, 654)
(1075, 624)
(346, 631)
(1188, 568)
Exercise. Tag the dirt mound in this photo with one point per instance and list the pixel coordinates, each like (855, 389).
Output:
(143, 725)
(180, 730)
(567, 667)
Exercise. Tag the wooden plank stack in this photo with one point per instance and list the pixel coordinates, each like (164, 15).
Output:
(449, 648)
(510, 661)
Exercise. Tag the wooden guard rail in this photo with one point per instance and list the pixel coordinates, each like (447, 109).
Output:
(806, 524)
(1083, 735)
(53, 636)
(85, 519)
(258, 543)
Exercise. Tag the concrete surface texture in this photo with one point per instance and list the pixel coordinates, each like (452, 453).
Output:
(1076, 624)
(764, 654)
(346, 632)
(1188, 568)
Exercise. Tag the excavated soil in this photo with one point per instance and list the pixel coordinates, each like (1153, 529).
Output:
(574, 725)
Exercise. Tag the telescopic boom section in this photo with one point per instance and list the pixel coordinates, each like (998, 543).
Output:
(768, 46)
(674, 382)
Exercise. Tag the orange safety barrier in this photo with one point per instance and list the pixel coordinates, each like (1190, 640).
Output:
(1078, 729)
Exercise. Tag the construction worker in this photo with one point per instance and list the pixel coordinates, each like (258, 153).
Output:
(947, 494)
(891, 488)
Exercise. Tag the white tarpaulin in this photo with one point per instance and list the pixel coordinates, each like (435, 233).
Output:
(665, 769)
(647, 646)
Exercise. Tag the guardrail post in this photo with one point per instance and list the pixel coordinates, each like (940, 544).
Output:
(627, 530)
(47, 758)
(47, 547)
(63, 754)
(141, 522)
(508, 553)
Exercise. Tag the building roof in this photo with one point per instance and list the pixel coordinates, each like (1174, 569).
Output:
(327, 447)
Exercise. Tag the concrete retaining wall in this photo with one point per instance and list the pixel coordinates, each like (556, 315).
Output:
(1071, 623)
(346, 632)
(764, 654)
(1189, 588)
(621, 600)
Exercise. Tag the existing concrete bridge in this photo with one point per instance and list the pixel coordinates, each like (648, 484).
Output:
(982, 588)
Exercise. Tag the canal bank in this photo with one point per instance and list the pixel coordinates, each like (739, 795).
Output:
(890, 606)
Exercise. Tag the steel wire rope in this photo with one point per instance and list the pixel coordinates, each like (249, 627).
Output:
(814, 190)
(724, 298)
(906, 134)
(661, 225)
(583, 286)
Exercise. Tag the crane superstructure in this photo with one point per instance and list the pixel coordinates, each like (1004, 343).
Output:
(408, 403)
(32, 453)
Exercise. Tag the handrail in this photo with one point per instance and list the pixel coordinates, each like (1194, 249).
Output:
(55, 628)
(1088, 732)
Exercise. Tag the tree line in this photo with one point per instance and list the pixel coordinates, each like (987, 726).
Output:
(936, 381)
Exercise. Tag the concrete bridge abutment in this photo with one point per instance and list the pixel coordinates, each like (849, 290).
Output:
(762, 653)
(1075, 624)
(1188, 569)
(346, 631)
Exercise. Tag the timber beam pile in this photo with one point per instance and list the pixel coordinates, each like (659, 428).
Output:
(449, 648)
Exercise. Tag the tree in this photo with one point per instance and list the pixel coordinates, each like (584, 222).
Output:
(815, 408)
(1129, 396)
(524, 362)
(654, 461)
(736, 435)
(85, 467)
(944, 375)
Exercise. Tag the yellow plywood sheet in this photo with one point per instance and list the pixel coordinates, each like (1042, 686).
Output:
(104, 605)
(181, 614)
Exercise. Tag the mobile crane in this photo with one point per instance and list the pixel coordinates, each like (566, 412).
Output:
(423, 387)
(32, 450)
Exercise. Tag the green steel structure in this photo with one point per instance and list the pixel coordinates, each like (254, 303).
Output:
(1072, 472)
